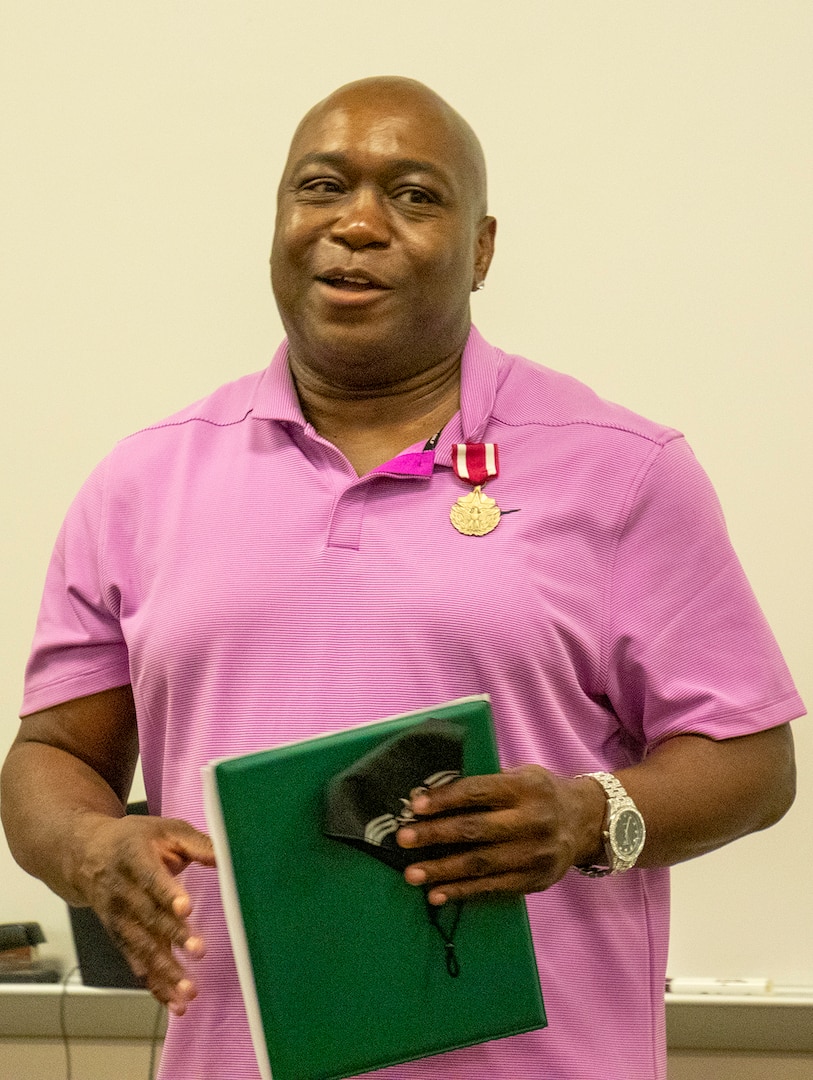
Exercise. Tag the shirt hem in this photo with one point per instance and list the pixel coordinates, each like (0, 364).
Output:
(71, 687)
(731, 725)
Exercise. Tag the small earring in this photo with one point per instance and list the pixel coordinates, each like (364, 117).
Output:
(480, 285)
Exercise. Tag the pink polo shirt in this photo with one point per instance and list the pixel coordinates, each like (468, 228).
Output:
(231, 565)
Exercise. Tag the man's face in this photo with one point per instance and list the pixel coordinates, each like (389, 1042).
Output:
(380, 237)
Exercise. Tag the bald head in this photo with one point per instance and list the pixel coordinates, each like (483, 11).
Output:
(400, 96)
(381, 233)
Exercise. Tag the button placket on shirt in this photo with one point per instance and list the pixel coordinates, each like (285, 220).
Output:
(347, 513)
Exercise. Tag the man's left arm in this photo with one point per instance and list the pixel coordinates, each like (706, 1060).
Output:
(526, 827)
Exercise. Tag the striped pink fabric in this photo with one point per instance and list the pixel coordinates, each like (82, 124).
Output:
(231, 565)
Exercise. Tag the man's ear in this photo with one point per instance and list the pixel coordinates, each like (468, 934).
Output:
(484, 250)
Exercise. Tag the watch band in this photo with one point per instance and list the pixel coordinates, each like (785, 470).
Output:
(618, 801)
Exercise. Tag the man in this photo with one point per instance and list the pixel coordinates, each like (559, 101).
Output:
(279, 560)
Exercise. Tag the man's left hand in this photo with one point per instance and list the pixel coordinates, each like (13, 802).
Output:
(525, 828)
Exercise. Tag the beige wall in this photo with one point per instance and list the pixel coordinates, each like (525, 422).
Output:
(696, 1065)
(103, 1059)
(651, 172)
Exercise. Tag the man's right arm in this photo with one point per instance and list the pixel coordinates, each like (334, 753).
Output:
(64, 787)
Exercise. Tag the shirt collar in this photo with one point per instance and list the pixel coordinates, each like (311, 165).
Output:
(276, 398)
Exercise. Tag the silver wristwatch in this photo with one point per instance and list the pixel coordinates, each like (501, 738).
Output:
(624, 830)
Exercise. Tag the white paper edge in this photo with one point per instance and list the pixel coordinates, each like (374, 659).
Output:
(234, 918)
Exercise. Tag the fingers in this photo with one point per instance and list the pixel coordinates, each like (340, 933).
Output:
(516, 866)
(135, 891)
(185, 845)
(469, 791)
(152, 959)
(466, 890)
(475, 828)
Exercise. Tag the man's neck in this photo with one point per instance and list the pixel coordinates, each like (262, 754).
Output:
(371, 425)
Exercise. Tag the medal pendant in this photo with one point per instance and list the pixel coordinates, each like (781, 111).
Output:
(475, 514)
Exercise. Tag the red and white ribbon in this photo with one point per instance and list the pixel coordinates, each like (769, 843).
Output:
(476, 462)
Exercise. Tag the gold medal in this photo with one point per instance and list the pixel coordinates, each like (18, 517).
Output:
(475, 514)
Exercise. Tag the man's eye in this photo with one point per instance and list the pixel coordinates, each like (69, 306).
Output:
(321, 186)
(415, 196)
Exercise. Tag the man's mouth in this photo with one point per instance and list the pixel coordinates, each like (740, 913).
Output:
(351, 282)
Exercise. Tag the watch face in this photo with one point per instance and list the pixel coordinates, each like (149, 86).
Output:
(628, 834)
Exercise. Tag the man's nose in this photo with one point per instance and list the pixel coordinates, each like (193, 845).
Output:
(363, 221)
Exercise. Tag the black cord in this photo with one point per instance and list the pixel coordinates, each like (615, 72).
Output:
(66, 1042)
(447, 934)
(63, 1028)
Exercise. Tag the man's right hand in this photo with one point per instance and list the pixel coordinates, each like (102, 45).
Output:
(65, 784)
(129, 875)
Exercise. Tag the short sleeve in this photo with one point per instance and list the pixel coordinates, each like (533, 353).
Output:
(78, 647)
(688, 649)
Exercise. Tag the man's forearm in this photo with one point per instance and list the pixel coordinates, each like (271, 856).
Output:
(50, 801)
(68, 771)
(697, 794)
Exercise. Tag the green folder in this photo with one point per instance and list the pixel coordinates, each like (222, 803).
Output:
(340, 968)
